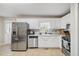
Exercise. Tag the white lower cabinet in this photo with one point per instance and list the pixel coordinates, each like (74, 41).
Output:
(48, 42)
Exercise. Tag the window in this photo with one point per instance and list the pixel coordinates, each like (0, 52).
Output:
(44, 27)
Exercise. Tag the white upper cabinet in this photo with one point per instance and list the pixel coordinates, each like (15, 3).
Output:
(55, 24)
(58, 24)
(63, 24)
(65, 20)
(34, 23)
(44, 27)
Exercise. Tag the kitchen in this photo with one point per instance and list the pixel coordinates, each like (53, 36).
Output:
(44, 32)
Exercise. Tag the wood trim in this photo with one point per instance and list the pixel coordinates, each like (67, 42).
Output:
(66, 13)
(40, 16)
(49, 48)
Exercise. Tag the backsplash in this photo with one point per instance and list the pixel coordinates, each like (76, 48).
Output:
(37, 31)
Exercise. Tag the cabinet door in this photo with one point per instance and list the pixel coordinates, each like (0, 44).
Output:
(22, 44)
(45, 42)
(55, 42)
(22, 30)
(14, 44)
(52, 42)
(63, 24)
(40, 42)
(33, 24)
(58, 24)
(48, 42)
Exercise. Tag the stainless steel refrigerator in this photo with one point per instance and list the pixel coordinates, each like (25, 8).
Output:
(19, 36)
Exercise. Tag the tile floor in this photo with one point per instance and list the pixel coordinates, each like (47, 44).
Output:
(6, 51)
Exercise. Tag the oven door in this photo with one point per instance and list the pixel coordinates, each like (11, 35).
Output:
(66, 45)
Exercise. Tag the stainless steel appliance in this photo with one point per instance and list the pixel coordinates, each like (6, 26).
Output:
(19, 36)
(33, 31)
(32, 41)
(66, 44)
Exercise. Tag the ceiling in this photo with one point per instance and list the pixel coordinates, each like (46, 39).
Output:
(40, 9)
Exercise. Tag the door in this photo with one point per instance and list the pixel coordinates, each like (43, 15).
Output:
(22, 35)
(14, 41)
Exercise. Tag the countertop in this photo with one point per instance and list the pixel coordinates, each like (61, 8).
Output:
(47, 35)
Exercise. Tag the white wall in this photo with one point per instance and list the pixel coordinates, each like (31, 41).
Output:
(8, 29)
(1, 31)
(74, 29)
(78, 29)
(72, 18)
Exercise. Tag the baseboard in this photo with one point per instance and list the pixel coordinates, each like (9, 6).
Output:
(50, 47)
(3, 44)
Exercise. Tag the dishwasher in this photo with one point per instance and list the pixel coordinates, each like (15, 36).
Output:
(32, 41)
